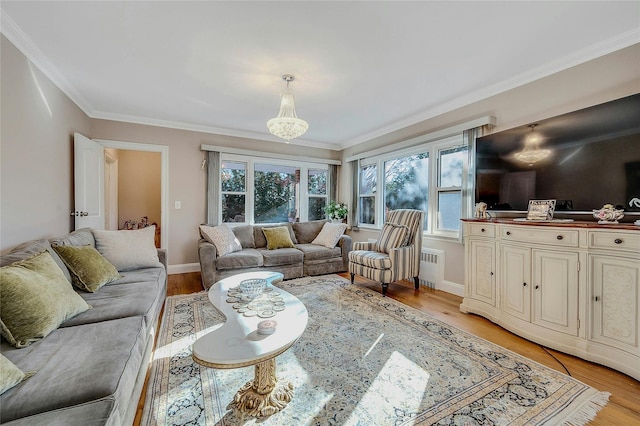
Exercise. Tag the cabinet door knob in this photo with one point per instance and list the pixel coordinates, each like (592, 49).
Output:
(508, 232)
(491, 273)
(617, 241)
(524, 285)
(597, 298)
(559, 237)
(537, 287)
(482, 230)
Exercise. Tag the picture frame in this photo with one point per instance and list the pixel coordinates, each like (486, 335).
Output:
(541, 210)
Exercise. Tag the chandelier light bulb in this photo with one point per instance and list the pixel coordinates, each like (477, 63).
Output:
(531, 153)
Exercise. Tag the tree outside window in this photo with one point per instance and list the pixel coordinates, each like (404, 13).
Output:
(233, 191)
(275, 192)
(407, 183)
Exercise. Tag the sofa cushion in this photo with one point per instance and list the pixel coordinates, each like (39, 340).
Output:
(93, 365)
(330, 234)
(372, 259)
(261, 241)
(244, 234)
(128, 250)
(283, 256)
(10, 374)
(306, 231)
(89, 269)
(222, 237)
(247, 258)
(137, 293)
(36, 299)
(315, 252)
(392, 236)
(79, 237)
(278, 237)
(30, 249)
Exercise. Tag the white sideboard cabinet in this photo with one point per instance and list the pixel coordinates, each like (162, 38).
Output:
(573, 287)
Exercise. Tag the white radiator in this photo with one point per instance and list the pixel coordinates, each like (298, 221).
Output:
(431, 267)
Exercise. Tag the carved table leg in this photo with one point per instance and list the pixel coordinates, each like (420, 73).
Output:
(264, 395)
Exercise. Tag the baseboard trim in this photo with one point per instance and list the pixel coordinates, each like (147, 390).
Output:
(451, 287)
(183, 268)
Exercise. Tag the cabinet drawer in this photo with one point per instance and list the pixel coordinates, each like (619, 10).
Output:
(624, 241)
(481, 230)
(563, 237)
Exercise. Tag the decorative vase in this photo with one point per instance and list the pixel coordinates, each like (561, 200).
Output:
(608, 214)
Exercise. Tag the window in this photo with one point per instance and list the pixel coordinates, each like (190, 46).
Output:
(367, 191)
(317, 190)
(233, 191)
(450, 169)
(426, 177)
(261, 190)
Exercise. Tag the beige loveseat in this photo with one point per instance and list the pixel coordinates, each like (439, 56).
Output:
(304, 258)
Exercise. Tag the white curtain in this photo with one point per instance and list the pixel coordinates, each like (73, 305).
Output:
(355, 174)
(468, 184)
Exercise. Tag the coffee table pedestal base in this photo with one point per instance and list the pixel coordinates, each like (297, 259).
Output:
(264, 395)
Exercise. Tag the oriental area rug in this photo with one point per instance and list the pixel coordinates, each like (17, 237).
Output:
(364, 359)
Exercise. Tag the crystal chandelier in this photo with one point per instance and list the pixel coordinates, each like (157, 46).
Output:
(287, 125)
(531, 153)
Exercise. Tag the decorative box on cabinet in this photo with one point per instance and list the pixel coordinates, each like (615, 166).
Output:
(574, 287)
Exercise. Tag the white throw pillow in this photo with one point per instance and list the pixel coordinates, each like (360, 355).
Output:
(330, 234)
(222, 237)
(128, 250)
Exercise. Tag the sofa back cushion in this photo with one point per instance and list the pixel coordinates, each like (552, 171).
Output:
(79, 237)
(30, 249)
(307, 231)
(128, 250)
(244, 234)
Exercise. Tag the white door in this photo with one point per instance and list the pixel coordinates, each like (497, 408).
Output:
(88, 173)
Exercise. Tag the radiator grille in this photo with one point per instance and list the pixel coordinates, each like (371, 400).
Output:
(431, 267)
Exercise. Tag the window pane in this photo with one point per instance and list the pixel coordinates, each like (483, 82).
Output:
(449, 204)
(317, 182)
(368, 179)
(233, 208)
(407, 183)
(368, 210)
(275, 192)
(451, 166)
(233, 176)
(316, 208)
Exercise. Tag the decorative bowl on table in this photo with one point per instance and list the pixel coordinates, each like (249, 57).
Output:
(608, 214)
(253, 288)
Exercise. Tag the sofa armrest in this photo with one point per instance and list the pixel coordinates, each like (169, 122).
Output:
(346, 245)
(162, 256)
(208, 256)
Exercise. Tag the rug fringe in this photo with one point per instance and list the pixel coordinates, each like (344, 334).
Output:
(589, 410)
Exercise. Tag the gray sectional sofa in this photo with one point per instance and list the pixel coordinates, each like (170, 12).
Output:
(305, 259)
(91, 369)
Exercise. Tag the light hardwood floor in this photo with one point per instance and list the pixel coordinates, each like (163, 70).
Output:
(624, 404)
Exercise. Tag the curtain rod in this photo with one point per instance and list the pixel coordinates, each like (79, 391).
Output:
(252, 153)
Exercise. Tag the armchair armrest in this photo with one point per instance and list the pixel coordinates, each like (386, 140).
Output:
(364, 245)
(401, 267)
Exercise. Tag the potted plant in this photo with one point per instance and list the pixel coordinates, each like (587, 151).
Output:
(337, 212)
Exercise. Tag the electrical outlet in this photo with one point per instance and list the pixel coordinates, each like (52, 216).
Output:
(178, 205)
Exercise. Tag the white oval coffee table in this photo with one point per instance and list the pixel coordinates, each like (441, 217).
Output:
(237, 344)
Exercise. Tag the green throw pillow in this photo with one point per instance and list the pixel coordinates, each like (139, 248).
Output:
(11, 375)
(89, 269)
(278, 237)
(36, 298)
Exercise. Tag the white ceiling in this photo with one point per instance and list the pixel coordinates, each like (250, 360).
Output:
(362, 69)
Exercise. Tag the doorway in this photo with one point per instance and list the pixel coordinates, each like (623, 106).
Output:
(136, 187)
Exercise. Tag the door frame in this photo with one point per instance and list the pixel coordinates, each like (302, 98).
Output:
(164, 181)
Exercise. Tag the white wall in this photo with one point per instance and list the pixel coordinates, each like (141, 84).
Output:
(36, 152)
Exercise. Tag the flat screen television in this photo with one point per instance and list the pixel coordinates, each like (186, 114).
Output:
(593, 159)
